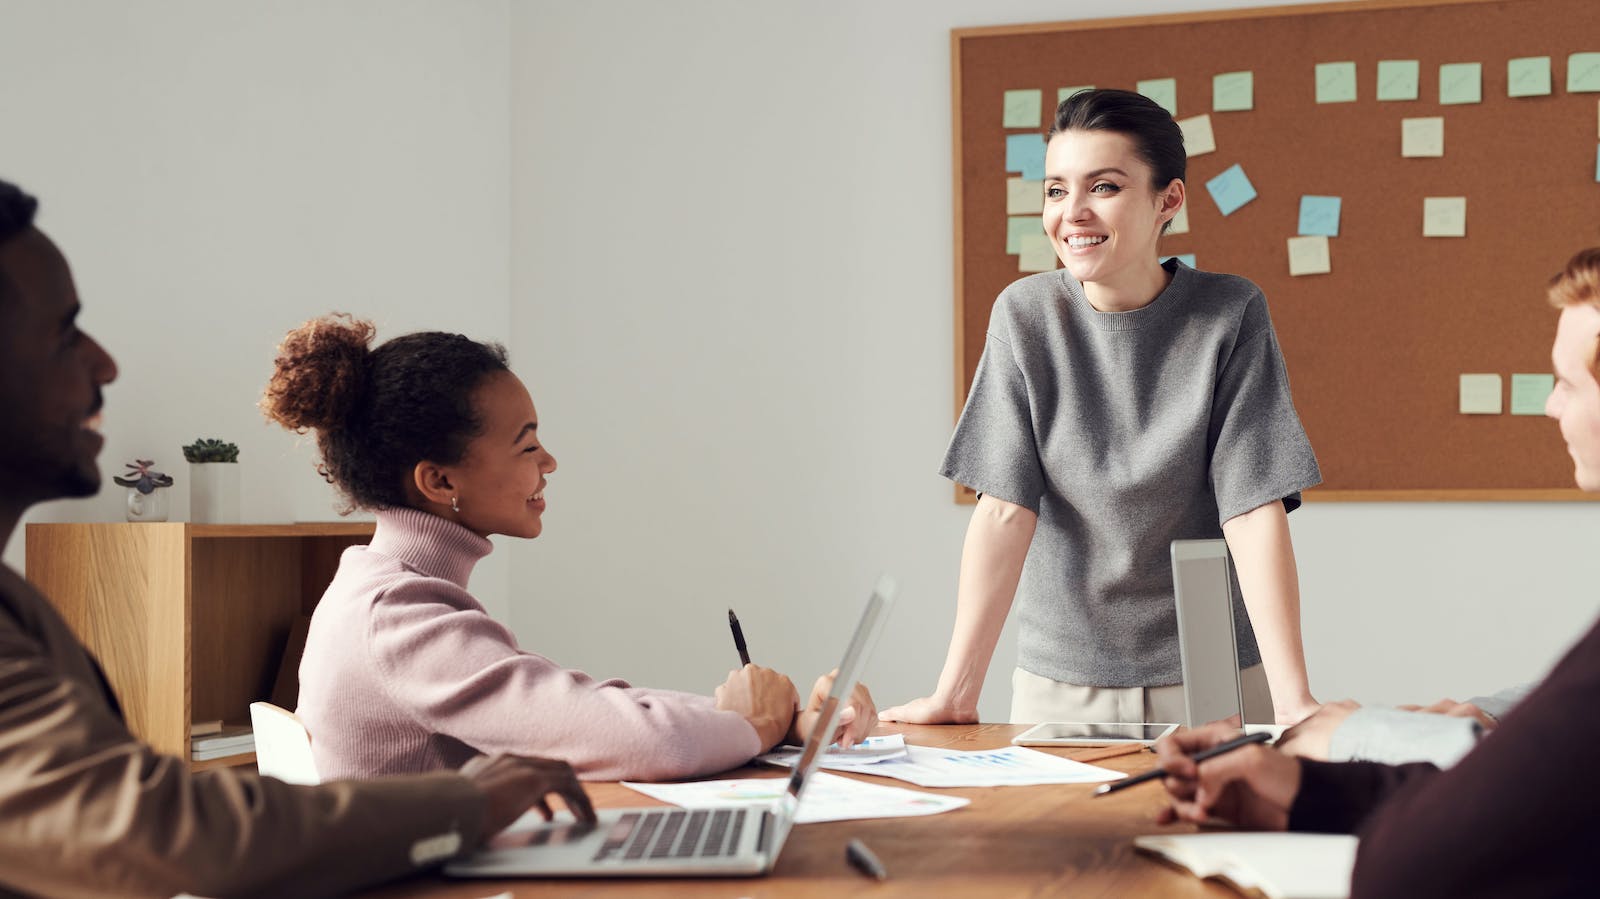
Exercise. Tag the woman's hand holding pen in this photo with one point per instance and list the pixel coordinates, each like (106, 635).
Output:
(1249, 787)
(766, 699)
(856, 720)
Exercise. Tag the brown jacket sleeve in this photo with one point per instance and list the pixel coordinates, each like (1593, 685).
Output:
(87, 810)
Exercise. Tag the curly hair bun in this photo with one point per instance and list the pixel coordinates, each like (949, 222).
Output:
(319, 373)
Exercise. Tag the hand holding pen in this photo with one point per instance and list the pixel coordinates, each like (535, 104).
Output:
(1251, 786)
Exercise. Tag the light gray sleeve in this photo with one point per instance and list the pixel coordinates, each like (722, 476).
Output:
(1259, 449)
(994, 450)
(1395, 737)
(1496, 705)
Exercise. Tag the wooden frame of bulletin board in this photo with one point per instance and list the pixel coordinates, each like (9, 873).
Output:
(1376, 346)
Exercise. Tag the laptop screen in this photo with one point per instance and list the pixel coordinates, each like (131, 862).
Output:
(855, 659)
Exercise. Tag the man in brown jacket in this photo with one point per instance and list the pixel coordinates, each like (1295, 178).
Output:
(85, 808)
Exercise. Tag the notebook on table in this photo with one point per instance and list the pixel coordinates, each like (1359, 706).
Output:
(1275, 865)
(665, 841)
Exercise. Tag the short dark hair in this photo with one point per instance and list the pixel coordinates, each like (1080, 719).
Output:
(378, 412)
(1156, 137)
(16, 216)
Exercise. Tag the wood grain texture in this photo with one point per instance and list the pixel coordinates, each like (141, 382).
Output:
(1374, 349)
(189, 621)
(1010, 842)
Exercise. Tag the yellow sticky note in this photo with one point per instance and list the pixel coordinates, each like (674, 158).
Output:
(1480, 395)
(1444, 217)
(1180, 222)
(1422, 137)
(1198, 138)
(1037, 254)
(1024, 196)
(1309, 255)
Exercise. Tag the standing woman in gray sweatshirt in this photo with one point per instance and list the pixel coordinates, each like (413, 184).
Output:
(1121, 404)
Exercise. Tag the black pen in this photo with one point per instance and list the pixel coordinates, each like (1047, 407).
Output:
(1202, 755)
(738, 638)
(862, 859)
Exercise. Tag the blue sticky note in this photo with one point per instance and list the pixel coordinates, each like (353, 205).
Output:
(1460, 82)
(1231, 189)
(1319, 215)
(1336, 82)
(1025, 154)
(1583, 73)
(1185, 258)
(1397, 79)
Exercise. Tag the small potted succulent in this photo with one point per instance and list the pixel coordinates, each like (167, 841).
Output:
(213, 481)
(147, 495)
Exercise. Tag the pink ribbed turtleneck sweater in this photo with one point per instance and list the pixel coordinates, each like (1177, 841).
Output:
(405, 671)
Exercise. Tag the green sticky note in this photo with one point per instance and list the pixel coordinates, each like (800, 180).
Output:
(1583, 73)
(1035, 254)
(1460, 82)
(1529, 392)
(1397, 79)
(1233, 91)
(1022, 108)
(1162, 90)
(1062, 93)
(1336, 82)
(1528, 76)
(1017, 226)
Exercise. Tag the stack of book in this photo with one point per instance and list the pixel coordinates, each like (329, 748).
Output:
(214, 740)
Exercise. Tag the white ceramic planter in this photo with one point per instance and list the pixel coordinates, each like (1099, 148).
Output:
(214, 492)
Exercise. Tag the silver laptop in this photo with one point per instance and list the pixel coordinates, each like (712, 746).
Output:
(1202, 582)
(664, 841)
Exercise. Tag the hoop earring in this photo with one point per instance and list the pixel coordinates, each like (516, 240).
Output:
(455, 504)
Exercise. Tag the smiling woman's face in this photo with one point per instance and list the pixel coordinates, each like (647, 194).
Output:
(1101, 213)
(500, 481)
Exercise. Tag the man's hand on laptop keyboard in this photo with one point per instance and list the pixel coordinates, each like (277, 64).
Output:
(515, 783)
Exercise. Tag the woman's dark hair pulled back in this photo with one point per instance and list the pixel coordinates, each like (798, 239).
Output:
(1156, 137)
(378, 412)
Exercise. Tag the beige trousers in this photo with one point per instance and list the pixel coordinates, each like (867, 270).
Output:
(1036, 699)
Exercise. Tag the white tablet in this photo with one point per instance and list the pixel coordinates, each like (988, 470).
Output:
(1059, 733)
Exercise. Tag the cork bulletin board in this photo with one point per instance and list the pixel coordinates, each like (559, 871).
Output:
(1376, 347)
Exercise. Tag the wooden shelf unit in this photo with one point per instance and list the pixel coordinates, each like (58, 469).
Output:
(188, 620)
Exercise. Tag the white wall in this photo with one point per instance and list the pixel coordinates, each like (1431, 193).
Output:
(218, 172)
(732, 301)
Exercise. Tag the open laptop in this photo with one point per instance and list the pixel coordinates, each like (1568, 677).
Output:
(665, 841)
(1202, 582)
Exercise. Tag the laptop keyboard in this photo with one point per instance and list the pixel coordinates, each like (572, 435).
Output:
(673, 833)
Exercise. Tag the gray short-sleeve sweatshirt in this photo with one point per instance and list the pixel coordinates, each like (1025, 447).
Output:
(1125, 431)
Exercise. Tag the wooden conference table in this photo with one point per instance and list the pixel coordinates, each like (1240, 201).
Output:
(1011, 841)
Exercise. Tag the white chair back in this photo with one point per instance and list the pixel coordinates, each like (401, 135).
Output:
(283, 747)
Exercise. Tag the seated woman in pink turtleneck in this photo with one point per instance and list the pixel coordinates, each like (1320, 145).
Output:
(404, 670)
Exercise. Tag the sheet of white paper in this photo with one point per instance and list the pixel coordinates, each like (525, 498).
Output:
(865, 754)
(1011, 766)
(828, 797)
